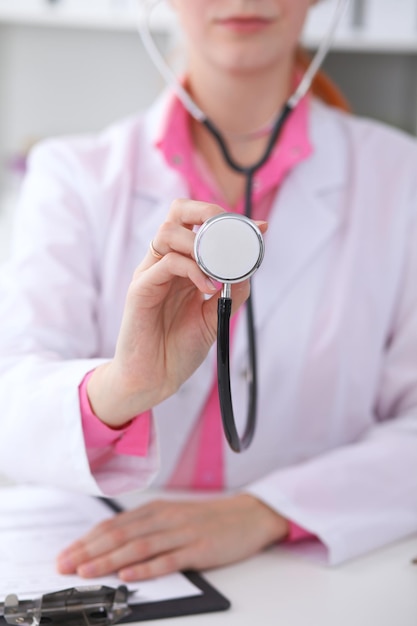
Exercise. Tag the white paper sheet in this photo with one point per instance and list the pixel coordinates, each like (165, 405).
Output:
(37, 523)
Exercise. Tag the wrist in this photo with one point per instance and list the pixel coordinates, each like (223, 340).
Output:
(274, 526)
(110, 401)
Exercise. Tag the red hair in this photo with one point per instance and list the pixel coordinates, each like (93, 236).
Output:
(323, 87)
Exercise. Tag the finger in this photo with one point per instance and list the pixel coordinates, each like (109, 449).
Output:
(190, 213)
(175, 233)
(240, 293)
(262, 225)
(156, 516)
(94, 546)
(154, 252)
(161, 274)
(110, 535)
(172, 237)
(164, 564)
(99, 530)
(135, 552)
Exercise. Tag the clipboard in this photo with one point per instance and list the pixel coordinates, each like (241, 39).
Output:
(101, 605)
(209, 601)
(104, 606)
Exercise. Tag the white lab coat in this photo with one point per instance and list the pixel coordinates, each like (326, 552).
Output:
(336, 317)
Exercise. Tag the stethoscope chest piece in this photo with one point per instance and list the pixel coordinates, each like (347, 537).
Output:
(229, 248)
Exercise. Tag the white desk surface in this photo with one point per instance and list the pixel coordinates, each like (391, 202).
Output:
(281, 587)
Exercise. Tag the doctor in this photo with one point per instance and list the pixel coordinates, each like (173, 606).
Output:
(107, 368)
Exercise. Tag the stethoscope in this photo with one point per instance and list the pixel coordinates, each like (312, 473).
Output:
(229, 247)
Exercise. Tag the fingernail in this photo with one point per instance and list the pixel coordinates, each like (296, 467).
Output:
(65, 565)
(210, 285)
(127, 574)
(87, 571)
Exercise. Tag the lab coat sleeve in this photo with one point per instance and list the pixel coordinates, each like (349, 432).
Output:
(364, 495)
(49, 336)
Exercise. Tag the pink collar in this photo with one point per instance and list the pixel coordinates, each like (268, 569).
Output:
(176, 145)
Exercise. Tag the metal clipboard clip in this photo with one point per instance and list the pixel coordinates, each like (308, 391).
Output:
(94, 605)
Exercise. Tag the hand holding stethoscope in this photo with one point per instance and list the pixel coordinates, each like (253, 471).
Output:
(169, 320)
(228, 248)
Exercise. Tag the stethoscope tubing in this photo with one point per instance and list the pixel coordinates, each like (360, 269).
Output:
(236, 442)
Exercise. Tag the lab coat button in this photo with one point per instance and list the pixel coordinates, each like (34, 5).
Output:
(244, 373)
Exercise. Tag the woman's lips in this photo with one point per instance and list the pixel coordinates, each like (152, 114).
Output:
(245, 24)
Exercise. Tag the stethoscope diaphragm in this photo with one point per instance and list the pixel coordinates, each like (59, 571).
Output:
(229, 248)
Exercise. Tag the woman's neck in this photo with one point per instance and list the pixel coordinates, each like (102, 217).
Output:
(240, 103)
(236, 105)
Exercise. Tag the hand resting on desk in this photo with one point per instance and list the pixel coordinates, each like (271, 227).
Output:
(163, 537)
